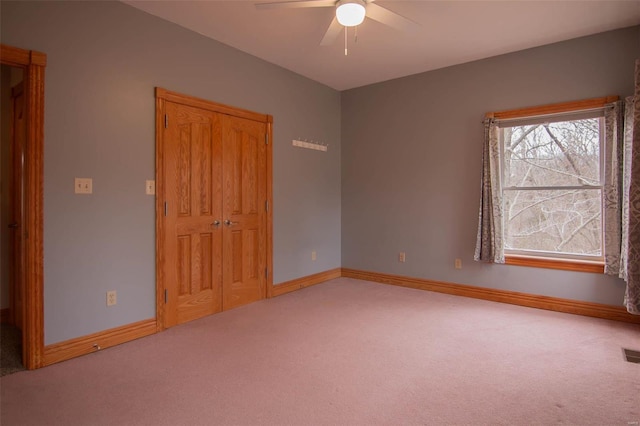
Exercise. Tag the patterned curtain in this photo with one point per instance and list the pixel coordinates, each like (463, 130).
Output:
(626, 184)
(489, 244)
(613, 119)
(630, 253)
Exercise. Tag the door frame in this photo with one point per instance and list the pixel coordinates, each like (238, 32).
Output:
(33, 63)
(162, 96)
(16, 286)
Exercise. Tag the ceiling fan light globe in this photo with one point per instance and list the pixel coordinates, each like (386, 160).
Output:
(350, 12)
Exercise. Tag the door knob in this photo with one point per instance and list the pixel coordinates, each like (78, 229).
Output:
(216, 223)
(229, 223)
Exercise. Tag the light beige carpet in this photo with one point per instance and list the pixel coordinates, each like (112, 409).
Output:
(348, 352)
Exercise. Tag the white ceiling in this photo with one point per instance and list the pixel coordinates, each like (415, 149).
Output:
(450, 32)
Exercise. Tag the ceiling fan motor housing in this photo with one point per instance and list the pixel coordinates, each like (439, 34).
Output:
(350, 12)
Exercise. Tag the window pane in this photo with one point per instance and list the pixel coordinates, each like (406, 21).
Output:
(565, 153)
(560, 221)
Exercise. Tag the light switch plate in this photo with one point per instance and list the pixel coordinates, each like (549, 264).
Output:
(150, 187)
(84, 186)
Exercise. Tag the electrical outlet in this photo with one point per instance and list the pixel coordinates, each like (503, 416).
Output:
(84, 186)
(313, 255)
(150, 187)
(458, 263)
(112, 298)
(402, 257)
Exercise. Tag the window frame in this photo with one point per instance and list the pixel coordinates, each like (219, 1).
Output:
(559, 261)
(599, 187)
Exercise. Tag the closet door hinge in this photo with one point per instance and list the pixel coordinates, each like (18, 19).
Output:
(166, 121)
(266, 273)
(266, 205)
(165, 208)
(165, 295)
(266, 139)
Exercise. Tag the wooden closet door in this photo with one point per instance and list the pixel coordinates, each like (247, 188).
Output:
(244, 211)
(192, 150)
(213, 226)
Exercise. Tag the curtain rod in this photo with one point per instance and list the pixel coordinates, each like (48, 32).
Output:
(550, 115)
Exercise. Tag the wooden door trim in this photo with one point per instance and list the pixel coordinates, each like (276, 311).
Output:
(33, 63)
(211, 106)
(17, 154)
(269, 230)
(162, 96)
(160, 191)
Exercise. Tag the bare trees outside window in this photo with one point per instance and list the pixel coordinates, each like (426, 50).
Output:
(552, 187)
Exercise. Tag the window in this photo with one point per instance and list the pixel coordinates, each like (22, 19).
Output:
(547, 172)
(552, 186)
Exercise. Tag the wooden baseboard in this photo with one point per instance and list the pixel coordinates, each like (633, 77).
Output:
(5, 316)
(616, 313)
(307, 281)
(87, 344)
(94, 342)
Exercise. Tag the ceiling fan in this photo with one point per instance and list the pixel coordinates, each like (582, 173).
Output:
(349, 13)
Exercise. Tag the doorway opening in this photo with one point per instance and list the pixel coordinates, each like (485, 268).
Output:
(13, 130)
(24, 229)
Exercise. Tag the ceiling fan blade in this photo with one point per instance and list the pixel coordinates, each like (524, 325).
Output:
(387, 17)
(296, 4)
(332, 33)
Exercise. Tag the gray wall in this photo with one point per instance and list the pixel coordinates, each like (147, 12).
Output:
(411, 160)
(104, 60)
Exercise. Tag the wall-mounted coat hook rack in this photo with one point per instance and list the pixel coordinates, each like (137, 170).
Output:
(318, 146)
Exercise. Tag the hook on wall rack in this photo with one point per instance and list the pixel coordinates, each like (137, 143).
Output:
(318, 146)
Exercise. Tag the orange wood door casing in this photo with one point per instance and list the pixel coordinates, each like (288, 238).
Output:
(245, 219)
(193, 239)
(18, 137)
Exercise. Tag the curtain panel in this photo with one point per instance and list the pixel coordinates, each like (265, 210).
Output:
(630, 250)
(626, 185)
(612, 196)
(489, 242)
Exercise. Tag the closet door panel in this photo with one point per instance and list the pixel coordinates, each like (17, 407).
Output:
(193, 243)
(244, 198)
